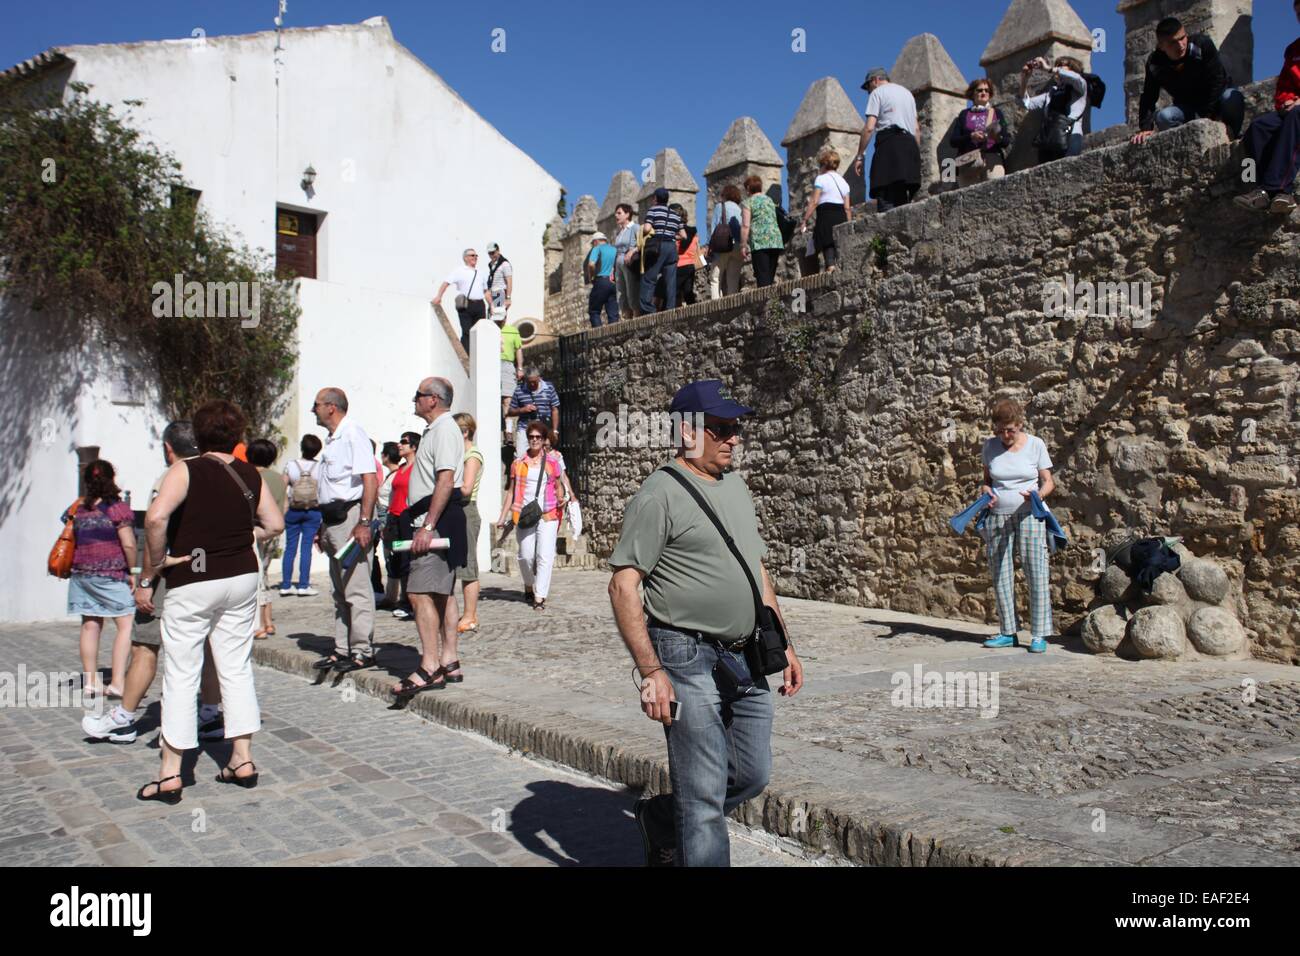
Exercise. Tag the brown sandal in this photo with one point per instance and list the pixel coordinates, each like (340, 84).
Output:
(446, 673)
(409, 688)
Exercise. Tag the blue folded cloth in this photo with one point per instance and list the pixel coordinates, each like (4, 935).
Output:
(1055, 536)
(960, 521)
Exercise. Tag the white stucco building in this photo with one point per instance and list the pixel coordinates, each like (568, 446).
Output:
(407, 175)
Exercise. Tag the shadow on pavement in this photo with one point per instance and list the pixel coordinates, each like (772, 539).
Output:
(591, 826)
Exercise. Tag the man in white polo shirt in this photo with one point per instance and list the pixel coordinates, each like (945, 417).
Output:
(347, 490)
(470, 282)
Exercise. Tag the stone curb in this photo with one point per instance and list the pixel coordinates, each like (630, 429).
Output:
(594, 748)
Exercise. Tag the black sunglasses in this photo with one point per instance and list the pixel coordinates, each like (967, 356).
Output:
(420, 395)
(723, 432)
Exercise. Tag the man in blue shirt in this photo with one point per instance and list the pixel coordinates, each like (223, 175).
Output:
(600, 269)
(534, 400)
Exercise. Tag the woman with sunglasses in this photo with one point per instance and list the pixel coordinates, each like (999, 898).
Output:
(536, 544)
(981, 137)
(1016, 464)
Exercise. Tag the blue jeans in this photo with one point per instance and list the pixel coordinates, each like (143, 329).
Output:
(1232, 111)
(666, 265)
(603, 296)
(719, 751)
(299, 529)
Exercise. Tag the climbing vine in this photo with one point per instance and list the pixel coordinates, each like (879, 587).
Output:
(94, 219)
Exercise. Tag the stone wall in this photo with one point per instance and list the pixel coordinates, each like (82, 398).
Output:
(871, 403)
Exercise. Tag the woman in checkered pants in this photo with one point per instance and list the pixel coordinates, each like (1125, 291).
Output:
(1017, 464)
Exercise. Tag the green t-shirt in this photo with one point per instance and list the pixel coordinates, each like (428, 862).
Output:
(510, 342)
(275, 481)
(693, 581)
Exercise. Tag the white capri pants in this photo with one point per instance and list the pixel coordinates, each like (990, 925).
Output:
(537, 556)
(224, 612)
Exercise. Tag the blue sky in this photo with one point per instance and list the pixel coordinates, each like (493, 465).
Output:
(588, 88)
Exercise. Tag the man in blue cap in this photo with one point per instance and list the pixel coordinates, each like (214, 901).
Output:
(662, 227)
(688, 637)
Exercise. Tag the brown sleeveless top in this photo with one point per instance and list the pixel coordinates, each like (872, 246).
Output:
(213, 518)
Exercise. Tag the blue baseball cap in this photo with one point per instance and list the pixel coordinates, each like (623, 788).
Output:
(708, 397)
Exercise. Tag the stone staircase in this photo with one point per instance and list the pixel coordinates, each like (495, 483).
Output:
(570, 552)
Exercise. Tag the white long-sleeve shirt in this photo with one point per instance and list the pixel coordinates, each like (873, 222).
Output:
(1077, 106)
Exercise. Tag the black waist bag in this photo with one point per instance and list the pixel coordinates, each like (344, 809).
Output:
(765, 652)
(1054, 135)
(335, 512)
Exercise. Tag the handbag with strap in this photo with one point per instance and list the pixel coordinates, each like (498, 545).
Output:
(765, 652)
(722, 240)
(531, 513)
(60, 560)
(462, 301)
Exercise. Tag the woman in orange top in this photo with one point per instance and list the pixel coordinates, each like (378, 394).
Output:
(536, 544)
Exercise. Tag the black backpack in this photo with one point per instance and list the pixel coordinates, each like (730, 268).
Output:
(1096, 89)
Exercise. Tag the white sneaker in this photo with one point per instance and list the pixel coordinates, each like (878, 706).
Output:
(115, 725)
(286, 591)
(1257, 200)
(306, 592)
(1282, 204)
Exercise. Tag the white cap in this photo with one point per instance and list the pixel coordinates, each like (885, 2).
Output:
(601, 236)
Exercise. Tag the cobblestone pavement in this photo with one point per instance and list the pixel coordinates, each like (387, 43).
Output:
(1083, 759)
(345, 781)
(1068, 758)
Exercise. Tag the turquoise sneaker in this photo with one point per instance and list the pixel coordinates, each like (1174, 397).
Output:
(1038, 646)
(1001, 640)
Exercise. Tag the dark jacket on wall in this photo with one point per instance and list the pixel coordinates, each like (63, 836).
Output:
(1198, 80)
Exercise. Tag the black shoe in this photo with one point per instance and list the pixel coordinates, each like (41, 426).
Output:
(214, 729)
(656, 854)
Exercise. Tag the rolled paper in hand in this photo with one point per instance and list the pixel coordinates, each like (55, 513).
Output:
(438, 544)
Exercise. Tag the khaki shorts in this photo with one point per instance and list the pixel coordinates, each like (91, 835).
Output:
(430, 574)
(147, 629)
(472, 524)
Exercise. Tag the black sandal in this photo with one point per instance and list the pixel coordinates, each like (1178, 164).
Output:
(358, 663)
(539, 605)
(446, 673)
(248, 783)
(329, 663)
(166, 796)
(409, 688)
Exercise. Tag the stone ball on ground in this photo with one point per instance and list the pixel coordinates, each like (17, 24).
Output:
(1104, 628)
(1169, 591)
(1113, 584)
(1204, 580)
(1214, 631)
(1157, 632)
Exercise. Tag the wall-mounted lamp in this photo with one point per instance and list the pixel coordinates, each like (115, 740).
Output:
(308, 177)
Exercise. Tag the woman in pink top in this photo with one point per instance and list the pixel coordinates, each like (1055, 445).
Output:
(530, 470)
(102, 583)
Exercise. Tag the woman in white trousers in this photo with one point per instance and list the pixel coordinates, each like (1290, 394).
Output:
(535, 476)
(218, 507)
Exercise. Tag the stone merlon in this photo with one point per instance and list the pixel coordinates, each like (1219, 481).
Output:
(824, 107)
(670, 173)
(744, 143)
(1029, 22)
(923, 65)
(622, 188)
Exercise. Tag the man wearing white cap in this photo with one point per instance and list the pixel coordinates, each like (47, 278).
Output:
(600, 269)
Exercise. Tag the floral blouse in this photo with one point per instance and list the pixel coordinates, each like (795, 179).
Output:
(98, 549)
(763, 230)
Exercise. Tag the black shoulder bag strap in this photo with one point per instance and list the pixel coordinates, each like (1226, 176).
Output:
(766, 652)
(243, 487)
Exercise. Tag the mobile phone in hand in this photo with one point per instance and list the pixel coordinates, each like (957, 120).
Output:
(674, 708)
